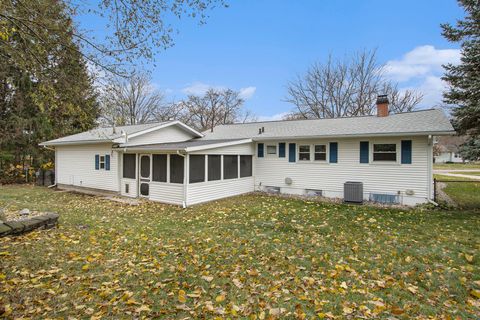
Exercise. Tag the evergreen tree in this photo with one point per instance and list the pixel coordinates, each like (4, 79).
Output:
(464, 79)
(44, 100)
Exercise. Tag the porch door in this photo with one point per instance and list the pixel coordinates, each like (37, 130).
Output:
(145, 174)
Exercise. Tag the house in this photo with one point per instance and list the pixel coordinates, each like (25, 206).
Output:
(173, 163)
(446, 149)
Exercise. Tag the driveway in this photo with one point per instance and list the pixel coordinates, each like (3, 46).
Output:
(455, 173)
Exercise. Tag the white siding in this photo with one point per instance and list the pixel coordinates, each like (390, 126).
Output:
(164, 135)
(212, 190)
(390, 178)
(76, 166)
(166, 192)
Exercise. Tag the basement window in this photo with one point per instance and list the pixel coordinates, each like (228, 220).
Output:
(385, 152)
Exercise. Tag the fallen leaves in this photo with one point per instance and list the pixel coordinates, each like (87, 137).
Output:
(248, 257)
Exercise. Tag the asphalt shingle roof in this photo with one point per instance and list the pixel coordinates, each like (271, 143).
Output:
(104, 133)
(425, 121)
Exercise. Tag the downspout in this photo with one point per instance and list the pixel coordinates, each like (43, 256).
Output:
(429, 169)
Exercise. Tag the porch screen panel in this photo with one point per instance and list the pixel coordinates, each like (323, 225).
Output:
(129, 165)
(245, 166)
(230, 167)
(176, 168)
(214, 167)
(197, 168)
(160, 167)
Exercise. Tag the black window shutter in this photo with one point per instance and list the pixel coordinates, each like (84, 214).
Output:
(107, 162)
(260, 150)
(292, 157)
(333, 152)
(364, 151)
(281, 150)
(97, 162)
(406, 151)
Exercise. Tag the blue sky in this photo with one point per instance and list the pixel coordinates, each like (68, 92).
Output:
(257, 46)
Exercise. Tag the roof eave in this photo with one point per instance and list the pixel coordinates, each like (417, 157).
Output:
(65, 143)
(391, 134)
(165, 125)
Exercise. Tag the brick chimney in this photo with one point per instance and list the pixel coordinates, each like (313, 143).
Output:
(382, 106)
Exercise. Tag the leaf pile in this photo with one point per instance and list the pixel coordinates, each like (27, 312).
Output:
(253, 257)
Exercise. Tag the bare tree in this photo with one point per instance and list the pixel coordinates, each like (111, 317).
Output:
(345, 88)
(132, 101)
(215, 107)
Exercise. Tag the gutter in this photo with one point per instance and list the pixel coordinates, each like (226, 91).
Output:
(362, 135)
(66, 143)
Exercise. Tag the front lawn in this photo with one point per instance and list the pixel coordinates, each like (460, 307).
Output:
(250, 257)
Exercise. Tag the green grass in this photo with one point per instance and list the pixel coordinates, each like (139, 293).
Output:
(454, 166)
(465, 194)
(248, 257)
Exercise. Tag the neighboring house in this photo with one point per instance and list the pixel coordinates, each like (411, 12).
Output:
(172, 163)
(446, 149)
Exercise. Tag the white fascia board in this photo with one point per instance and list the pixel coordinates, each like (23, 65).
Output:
(66, 143)
(168, 124)
(366, 135)
(218, 145)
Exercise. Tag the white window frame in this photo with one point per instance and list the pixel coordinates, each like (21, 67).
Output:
(271, 146)
(326, 152)
(101, 164)
(309, 152)
(372, 152)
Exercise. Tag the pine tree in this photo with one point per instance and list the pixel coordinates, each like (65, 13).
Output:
(464, 78)
(41, 101)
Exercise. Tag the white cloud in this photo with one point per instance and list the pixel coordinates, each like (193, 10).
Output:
(421, 62)
(278, 116)
(432, 88)
(421, 69)
(199, 88)
(247, 93)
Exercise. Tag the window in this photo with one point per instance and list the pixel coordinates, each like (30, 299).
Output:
(129, 161)
(214, 167)
(245, 166)
(176, 168)
(320, 152)
(145, 167)
(304, 153)
(385, 152)
(102, 162)
(197, 168)
(230, 167)
(159, 167)
(272, 149)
